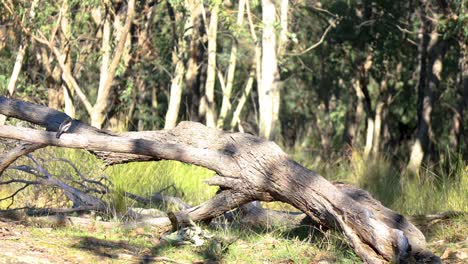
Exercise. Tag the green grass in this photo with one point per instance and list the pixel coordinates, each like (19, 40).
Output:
(174, 178)
(442, 187)
(143, 178)
(235, 244)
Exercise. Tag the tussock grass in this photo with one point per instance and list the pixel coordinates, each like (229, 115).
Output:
(170, 177)
(441, 187)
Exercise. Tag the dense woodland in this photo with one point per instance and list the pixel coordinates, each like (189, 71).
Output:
(384, 77)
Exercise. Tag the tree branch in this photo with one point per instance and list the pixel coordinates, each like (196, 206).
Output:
(11, 156)
(169, 151)
(66, 74)
(103, 93)
(332, 24)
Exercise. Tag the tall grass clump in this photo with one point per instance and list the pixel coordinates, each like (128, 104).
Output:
(441, 187)
(169, 177)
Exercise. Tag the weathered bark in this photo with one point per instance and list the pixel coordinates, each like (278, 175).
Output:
(248, 168)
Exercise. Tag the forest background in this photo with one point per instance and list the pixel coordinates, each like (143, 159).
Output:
(369, 92)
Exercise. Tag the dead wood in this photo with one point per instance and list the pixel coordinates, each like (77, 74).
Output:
(43, 177)
(424, 219)
(159, 197)
(248, 168)
(12, 155)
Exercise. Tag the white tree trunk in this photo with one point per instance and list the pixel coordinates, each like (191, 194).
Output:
(175, 96)
(369, 136)
(210, 111)
(65, 35)
(379, 108)
(268, 90)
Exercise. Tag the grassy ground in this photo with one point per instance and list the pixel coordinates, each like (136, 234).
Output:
(43, 244)
(437, 189)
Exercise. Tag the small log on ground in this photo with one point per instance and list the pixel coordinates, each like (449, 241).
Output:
(248, 168)
(165, 199)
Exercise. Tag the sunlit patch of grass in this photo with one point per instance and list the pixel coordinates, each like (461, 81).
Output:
(170, 177)
(244, 245)
(141, 178)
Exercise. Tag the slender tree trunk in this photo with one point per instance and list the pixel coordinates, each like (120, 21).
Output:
(458, 127)
(142, 44)
(353, 116)
(209, 97)
(54, 89)
(69, 107)
(367, 103)
(269, 89)
(21, 52)
(196, 52)
(257, 58)
(109, 65)
(226, 103)
(431, 52)
(364, 99)
(178, 54)
(350, 129)
(17, 67)
(11, 88)
(379, 109)
(283, 37)
(240, 106)
(175, 95)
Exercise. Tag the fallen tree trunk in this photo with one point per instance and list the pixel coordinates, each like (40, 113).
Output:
(248, 168)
